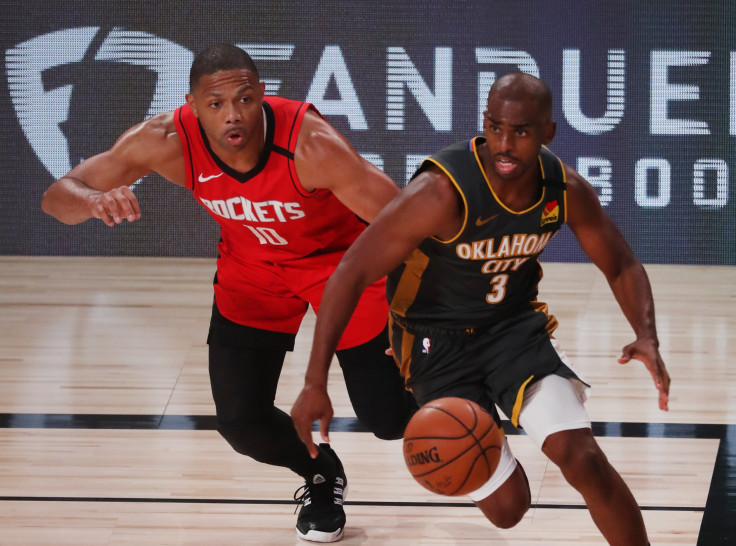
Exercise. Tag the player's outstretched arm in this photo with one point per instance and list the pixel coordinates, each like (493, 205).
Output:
(99, 186)
(606, 247)
(428, 206)
(324, 159)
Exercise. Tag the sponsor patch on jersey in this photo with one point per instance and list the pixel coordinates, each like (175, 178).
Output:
(550, 213)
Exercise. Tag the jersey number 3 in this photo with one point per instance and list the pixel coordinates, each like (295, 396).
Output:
(498, 284)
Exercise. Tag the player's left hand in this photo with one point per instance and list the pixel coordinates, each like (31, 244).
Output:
(647, 351)
(312, 404)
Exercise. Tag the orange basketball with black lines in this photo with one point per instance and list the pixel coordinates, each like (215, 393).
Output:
(452, 446)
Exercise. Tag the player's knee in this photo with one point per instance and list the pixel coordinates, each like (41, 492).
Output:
(233, 435)
(383, 427)
(511, 514)
(510, 521)
(388, 422)
(507, 512)
(242, 436)
(394, 432)
(507, 505)
(579, 457)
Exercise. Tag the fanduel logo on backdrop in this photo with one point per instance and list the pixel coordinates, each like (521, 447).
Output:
(50, 78)
(42, 109)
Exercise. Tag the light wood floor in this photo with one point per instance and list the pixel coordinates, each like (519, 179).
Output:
(115, 337)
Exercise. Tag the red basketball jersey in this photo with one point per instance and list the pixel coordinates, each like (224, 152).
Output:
(265, 215)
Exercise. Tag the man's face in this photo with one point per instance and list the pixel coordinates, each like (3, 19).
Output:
(228, 104)
(515, 131)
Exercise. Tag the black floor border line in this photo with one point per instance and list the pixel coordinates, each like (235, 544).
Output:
(719, 515)
(267, 502)
(338, 424)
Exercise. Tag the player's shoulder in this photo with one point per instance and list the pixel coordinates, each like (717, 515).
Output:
(159, 126)
(288, 112)
(150, 141)
(152, 132)
(433, 180)
(573, 180)
(581, 196)
(319, 139)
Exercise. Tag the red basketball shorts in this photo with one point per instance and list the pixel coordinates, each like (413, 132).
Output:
(277, 296)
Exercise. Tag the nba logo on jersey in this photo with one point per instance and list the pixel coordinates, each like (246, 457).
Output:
(425, 345)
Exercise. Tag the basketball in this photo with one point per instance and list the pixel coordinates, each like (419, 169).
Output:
(452, 446)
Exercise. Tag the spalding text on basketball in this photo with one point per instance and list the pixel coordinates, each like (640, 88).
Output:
(424, 457)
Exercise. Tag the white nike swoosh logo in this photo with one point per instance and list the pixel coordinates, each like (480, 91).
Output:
(206, 178)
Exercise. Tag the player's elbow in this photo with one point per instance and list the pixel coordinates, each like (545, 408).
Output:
(50, 205)
(47, 203)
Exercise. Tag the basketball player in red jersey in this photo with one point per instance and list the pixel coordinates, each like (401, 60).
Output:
(287, 190)
(460, 246)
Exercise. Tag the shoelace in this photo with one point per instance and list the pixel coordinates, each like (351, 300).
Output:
(301, 496)
(322, 492)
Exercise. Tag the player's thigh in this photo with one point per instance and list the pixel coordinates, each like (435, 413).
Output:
(368, 370)
(375, 387)
(551, 405)
(437, 365)
(245, 365)
(244, 380)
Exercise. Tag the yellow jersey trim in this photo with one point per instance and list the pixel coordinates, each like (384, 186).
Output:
(490, 187)
(519, 400)
(564, 178)
(465, 202)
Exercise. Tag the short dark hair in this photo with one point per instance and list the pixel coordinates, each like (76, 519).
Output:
(220, 57)
(518, 85)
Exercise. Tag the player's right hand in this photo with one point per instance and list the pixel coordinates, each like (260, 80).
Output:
(312, 404)
(647, 351)
(116, 205)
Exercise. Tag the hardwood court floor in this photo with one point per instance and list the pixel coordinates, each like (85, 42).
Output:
(106, 428)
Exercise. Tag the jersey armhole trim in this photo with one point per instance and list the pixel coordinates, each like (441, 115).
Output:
(564, 189)
(188, 151)
(465, 202)
(554, 180)
(283, 151)
(296, 126)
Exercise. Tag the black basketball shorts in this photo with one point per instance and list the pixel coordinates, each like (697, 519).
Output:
(491, 366)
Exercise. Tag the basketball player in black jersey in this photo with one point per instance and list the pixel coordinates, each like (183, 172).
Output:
(461, 245)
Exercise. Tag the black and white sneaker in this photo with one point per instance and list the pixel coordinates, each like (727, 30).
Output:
(322, 518)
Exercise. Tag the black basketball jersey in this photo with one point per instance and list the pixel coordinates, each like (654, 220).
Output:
(491, 266)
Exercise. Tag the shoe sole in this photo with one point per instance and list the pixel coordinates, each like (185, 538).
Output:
(321, 536)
